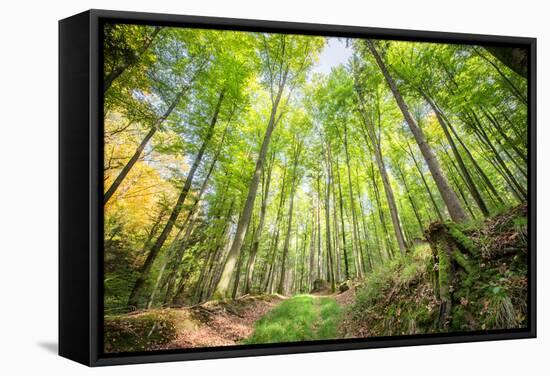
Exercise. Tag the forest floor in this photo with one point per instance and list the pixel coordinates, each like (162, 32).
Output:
(220, 323)
(247, 320)
(259, 319)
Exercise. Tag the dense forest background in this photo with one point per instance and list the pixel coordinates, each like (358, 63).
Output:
(384, 196)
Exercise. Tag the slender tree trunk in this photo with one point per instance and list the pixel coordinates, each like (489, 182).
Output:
(411, 201)
(144, 271)
(312, 247)
(450, 198)
(318, 216)
(154, 229)
(223, 284)
(355, 235)
(465, 173)
(189, 225)
(273, 253)
(236, 282)
(281, 286)
(477, 166)
(258, 232)
(275, 243)
(389, 249)
(478, 127)
(512, 143)
(165, 261)
(303, 263)
(456, 176)
(341, 202)
(137, 153)
(386, 183)
(425, 182)
(365, 230)
(338, 263)
(330, 268)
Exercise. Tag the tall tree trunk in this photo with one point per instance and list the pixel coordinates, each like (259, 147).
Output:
(425, 182)
(303, 261)
(387, 242)
(338, 264)
(509, 142)
(312, 247)
(223, 284)
(465, 172)
(144, 271)
(341, 202)
(450, 198)
(189, 225)
(480, 171)
(266, 181)
(478, 128)
(409, 196)
(355, 235)
(274, 244)
(366, 232)
(385, 181)
(330, 268)
(271, 265)
(297, 151)
(236, 282)
(456, 177)
(318, 216)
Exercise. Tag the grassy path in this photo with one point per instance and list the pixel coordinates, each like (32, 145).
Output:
(301, 318)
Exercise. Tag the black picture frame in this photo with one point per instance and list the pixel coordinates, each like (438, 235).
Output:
(81, 190)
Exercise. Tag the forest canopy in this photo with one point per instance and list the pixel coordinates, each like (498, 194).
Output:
(244, 169)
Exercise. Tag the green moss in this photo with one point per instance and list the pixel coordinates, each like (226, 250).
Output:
(129, 333)
(463, 241)
(463, 261)
(444, 272)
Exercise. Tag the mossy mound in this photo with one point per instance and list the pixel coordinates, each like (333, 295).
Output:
(470, 277)
(139, 331)
(396, 299)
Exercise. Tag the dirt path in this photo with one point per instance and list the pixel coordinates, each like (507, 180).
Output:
(220, 323)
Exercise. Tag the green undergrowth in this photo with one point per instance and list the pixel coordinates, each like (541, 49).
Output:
(486, 282)
(301, 318)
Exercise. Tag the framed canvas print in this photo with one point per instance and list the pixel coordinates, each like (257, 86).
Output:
(237, 187)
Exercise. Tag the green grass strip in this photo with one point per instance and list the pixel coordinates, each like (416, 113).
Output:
(301, 318)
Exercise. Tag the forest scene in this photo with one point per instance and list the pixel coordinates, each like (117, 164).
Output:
(269, 188)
